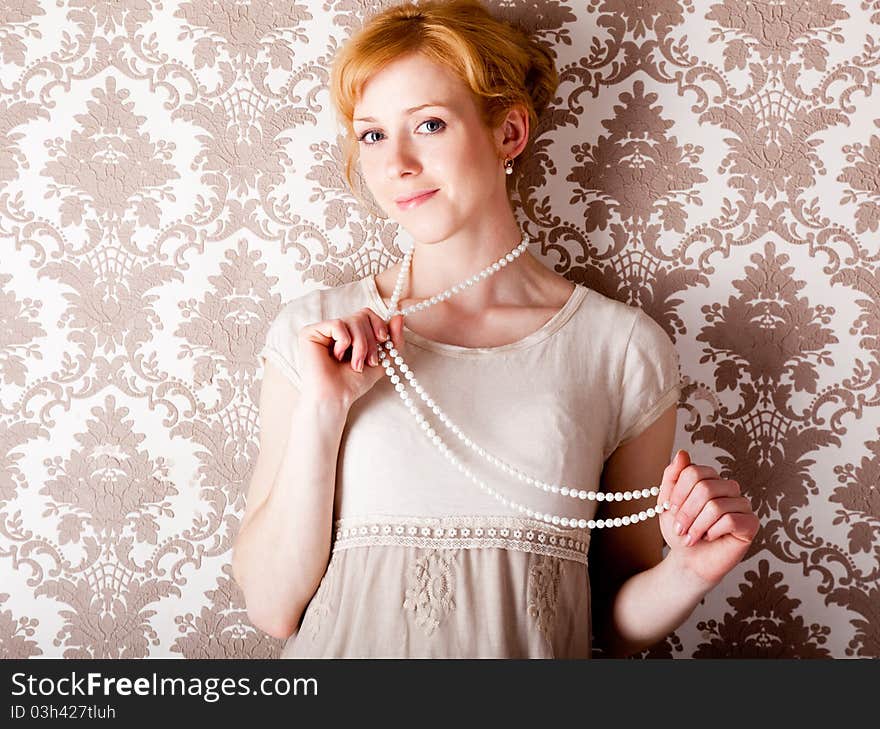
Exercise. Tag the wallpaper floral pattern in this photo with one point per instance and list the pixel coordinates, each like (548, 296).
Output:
(171, 174)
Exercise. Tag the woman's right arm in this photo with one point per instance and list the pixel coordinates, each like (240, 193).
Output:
(283, 544)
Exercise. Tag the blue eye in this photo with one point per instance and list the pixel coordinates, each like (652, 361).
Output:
(363, 136)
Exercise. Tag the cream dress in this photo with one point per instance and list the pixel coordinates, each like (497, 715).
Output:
(425, 564)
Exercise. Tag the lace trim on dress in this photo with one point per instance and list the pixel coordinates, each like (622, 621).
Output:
(464, 532)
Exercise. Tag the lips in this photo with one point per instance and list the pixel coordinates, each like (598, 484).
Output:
(416, 200)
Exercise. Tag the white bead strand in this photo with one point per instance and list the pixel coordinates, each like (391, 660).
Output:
(408, 375)
(494, 460)
(444, 449)
(476, 278)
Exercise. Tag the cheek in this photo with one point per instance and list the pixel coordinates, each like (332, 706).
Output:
(473, 160)
(371, 176)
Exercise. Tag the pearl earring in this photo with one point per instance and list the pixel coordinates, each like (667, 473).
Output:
(508, 166)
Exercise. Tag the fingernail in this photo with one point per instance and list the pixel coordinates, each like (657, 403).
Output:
(359, 366)
(689, 541)
(383, 335)
(677, 527)
(374, 360)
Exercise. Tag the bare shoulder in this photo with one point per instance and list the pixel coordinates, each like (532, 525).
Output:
(561, 289)
(546, 289)
(386, 279)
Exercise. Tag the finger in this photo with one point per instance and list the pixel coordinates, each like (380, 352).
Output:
(713, 510)
(380, 329)
(333, 334)
(396, 329)
(360, 348)
(375, 326)
(701, 494)
(372, 356)
(689, 477)
(742, 526)
(671, 473)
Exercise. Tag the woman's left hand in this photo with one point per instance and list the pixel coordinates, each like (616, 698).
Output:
(717, 522)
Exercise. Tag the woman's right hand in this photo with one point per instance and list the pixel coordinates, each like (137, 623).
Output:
(335, 355)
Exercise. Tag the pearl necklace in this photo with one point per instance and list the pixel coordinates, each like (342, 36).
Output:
(394, 355)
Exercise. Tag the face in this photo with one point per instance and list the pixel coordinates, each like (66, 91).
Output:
(444, 146)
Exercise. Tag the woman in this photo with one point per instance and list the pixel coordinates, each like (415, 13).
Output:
(361, 536)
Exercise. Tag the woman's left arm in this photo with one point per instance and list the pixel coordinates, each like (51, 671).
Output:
(640, 597)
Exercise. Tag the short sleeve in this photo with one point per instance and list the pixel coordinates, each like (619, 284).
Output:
(650, 381)
(281, 346)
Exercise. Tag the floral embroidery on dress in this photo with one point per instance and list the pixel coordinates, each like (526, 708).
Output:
(543, 590)
(429, 591)
(319, 607)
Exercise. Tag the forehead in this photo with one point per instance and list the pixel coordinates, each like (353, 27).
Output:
(408, 82)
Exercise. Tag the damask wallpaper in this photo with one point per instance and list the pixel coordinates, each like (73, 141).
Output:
(171, 174)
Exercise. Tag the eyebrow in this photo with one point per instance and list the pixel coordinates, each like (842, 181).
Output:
(407, 111)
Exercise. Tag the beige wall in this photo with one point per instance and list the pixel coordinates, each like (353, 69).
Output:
(170, 176)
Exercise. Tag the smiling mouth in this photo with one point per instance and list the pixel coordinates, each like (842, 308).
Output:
(416, 200)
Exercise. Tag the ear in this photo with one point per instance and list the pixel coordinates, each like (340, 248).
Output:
(512, 134)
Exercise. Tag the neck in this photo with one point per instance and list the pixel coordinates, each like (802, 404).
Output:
(440, 265)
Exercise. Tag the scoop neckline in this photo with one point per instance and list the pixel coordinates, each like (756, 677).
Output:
(553, 324)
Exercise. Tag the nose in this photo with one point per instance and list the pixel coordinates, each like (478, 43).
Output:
(402, 158)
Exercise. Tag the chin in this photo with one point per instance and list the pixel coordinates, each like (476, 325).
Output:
(428, 234)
